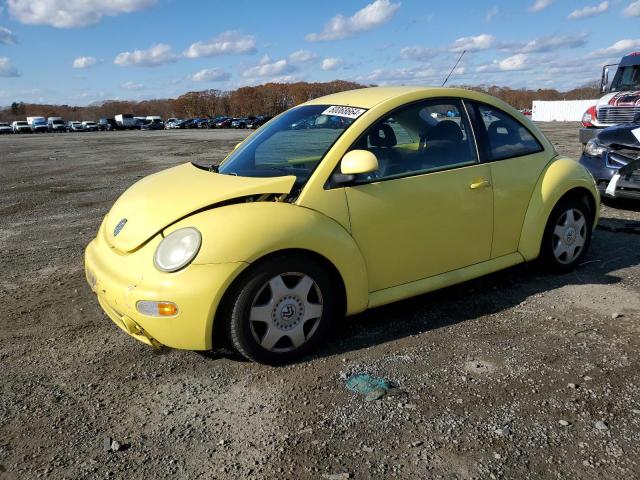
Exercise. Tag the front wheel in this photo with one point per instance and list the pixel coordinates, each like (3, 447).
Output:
(567, 235)
(281, 309)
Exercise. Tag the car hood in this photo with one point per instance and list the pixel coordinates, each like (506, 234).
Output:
(621, 136)
(161, 199)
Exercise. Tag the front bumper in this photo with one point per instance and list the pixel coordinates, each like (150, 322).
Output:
(120, 280)
(603, 171)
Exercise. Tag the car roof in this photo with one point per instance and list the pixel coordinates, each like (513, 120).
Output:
(372, 96)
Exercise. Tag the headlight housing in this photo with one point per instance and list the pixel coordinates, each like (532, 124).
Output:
(177, 249)
(593, 148)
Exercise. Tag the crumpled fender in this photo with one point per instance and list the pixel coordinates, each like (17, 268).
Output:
(246, 232)
(559, 177)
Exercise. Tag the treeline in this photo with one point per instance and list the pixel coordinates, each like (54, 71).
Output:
(267, 99)
(523, 98)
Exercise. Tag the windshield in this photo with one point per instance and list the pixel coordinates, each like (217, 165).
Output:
(21, 123)
(626, 78)
(292, 144)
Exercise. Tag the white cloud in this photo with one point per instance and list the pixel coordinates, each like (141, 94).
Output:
(158, 54)
(547, 44)
(132, 85)
(7, 69)
(7, 37)
(331, 63)
(418, 53)
(268, 68)
(493, 11)
(404, 75)
(539, 5)
(520, 61)
(84, 62)
(211, 75)
(227, 43)
(515, 62)
(474, 44)
(302, 56)
(371, 16)
(619, 48)
(632, 10)
(71, 13)
(589, 11)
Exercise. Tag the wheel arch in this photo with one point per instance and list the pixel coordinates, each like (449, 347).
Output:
(562, 178)
(227, 298)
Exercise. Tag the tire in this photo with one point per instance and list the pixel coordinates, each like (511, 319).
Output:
(270, 318)
(567, 235)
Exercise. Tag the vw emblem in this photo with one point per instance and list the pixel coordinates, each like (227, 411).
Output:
(119, 227)
(288, 311)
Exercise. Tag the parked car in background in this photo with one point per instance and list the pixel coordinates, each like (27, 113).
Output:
(151, 124)
(89, 126)
(225, 122)
(20, 126)
(56, 124)
(174, 123)
(5, 128)
(202, 123)
(258, 121)
(613, 158)
(126, 121)
(242, 122)
(107, 124)
(39, 125)
(191, 123)
(74, 126)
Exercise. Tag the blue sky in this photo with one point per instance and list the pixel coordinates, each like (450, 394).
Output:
(81, 51)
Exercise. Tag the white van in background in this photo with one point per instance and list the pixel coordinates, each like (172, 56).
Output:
(56, 124)
(126, 121)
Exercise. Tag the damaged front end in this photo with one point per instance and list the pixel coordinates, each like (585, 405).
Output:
(613, 158)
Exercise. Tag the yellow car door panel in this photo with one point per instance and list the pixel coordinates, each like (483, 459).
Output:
(415, 227)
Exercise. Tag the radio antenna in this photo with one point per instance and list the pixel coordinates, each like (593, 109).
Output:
(454, 67)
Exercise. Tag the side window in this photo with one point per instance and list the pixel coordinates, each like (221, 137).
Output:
(420, 138)
(505, 137)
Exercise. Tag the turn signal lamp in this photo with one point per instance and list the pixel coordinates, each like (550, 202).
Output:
(157, 309)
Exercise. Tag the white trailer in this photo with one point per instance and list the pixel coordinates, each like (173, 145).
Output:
(560, 110)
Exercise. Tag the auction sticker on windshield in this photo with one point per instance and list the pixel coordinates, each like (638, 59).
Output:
(340, 111)
(636, 133)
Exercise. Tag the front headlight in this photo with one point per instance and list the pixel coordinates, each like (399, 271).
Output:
(177, 249)
(594, 149)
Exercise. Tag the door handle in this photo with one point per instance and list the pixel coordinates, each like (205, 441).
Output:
(480, 184)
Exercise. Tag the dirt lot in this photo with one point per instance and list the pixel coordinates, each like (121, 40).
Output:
(517, 375)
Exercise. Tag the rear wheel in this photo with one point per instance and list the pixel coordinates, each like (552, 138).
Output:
(567, 235)
(281, 309)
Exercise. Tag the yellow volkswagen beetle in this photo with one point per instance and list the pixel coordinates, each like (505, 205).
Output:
(344, 203)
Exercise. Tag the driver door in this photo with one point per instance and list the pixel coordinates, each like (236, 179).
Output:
(429, 208)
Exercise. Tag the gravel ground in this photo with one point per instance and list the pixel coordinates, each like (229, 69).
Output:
(516, 375)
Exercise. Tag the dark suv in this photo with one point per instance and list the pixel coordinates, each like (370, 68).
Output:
(107, 124)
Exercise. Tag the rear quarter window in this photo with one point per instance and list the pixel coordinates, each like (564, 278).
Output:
(502, 135)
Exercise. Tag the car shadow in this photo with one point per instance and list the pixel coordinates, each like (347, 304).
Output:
(622, 204)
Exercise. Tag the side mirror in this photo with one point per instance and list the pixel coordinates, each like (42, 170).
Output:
(356, 162)
(604, 84)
